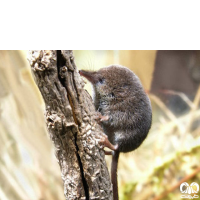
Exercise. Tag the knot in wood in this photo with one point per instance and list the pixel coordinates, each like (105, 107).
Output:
(63, 72)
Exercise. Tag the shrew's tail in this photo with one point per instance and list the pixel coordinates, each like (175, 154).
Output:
(115, 158)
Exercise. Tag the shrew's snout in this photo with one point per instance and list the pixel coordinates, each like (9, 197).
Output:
(89, 75)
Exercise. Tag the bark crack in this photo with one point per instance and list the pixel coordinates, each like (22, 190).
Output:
(85, 185)
(61, 62)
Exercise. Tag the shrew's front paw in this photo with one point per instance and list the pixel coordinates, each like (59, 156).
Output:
(100, 118)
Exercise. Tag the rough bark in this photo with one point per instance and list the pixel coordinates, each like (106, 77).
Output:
(71, 125)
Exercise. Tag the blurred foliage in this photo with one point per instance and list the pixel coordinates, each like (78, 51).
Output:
(28, 168)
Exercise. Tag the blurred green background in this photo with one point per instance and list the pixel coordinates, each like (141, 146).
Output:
(171, 152)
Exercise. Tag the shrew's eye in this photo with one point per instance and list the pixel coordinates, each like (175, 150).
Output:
(112, 95)
(101, 80)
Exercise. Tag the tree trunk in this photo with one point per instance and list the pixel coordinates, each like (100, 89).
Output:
(71, 125)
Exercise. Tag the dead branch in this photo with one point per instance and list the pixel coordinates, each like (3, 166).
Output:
(71, 125)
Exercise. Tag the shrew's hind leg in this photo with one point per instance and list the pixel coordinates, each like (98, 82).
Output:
(106, 143)
(104, 139)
